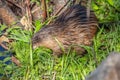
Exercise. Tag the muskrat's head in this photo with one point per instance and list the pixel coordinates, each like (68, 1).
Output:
(43, 38)
(39, 40)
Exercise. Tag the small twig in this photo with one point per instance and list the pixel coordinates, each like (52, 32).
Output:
(88, 9)
(43, 3)
(36, 9)
(15, 60)
(14, 4)
(61, 8)
(29, 15)
(28, 10)
(54, 76)
(88, 17)
(58, 11)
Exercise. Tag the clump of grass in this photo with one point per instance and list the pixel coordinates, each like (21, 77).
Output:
(107, 10)
(39, 63)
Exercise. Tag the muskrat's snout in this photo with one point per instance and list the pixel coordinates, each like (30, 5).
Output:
(34, 45)
(42, 38)
(36, 39)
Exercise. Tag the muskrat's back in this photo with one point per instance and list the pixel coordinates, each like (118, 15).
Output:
(72, 27)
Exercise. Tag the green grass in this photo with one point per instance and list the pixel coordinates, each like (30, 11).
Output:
(39, 64)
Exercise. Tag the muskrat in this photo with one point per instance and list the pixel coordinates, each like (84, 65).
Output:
(72, 27)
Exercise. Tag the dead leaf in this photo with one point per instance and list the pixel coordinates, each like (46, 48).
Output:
(15, 60)
(3, 39)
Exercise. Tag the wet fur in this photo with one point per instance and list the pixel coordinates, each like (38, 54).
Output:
(72, 27)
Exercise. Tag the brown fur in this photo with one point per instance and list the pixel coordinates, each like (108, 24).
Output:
(72, 27)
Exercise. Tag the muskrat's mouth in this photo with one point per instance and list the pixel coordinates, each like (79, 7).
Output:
(34, 46)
